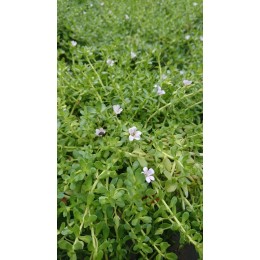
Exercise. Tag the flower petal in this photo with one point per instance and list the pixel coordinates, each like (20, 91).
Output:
(150, 171)
(131, 138)
(148, 179)
(138, 133)
(132, 130)
(151, 178)
(145, 169)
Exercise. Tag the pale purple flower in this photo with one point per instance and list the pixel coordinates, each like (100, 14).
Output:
(159, 90)
(127, 17)
(187, 37)
(117, 109)
(134, 134)
(100, 132)
(148, 174)
(73, 43)
(110, 62)
(182, 72)
(187, 82)
(133, 55)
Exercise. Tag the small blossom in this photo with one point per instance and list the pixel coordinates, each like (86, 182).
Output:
(187, 37)
(110, 62)
(127, 17)
(117, 109)
(73, 43)
(201, 38)
(102, 4)
(159, 90)
(164, 76)
(134, 134)
(182, 72)
(133, 55)
(110, 12)
(84, 12)
(148, 174)
(195, 4)
(100, 132)
(187, 82)
(91, 5)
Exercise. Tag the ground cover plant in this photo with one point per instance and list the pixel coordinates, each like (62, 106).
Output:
(129, 129)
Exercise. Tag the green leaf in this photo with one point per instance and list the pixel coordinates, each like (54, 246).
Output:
(171, 256)
(99, 165)
(86, 238)
(167, 174)
(99, 255)
(117, 221)
(170, 186)
(90, 198)
(167, 164)
(118, 194)
(135, 222)
(185, 190)
(79, 176)
(164, 246)
(60, 195)
(150, 192)
(91, 110)
(78, 245)
(146, 219)
(159, 231)
(89, 220)
(184, 217)
(142, 161)
(87, 185)
(63, 244)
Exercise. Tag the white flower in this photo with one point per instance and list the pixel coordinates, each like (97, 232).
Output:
(182, 72)
(133, 55)
(84, 12)
(127, 17)
(187, 82)
(164, 76)
(91, 5)
(201, 38)
(187, 37)
(101, 3)
(148, 174)
(159, 90)
(110, 62)
(195, 4)
(73, 43)
(100, 131)
(117, 109)
(134, 134)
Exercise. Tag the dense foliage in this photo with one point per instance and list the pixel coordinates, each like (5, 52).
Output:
(145, 56)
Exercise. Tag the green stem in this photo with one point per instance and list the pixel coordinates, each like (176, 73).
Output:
(179, 224)
(99, 79)
(157, 111)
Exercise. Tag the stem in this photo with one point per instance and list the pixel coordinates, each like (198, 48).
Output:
(156, 248)
(158, 110)
(99, 79)
(179, 224)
